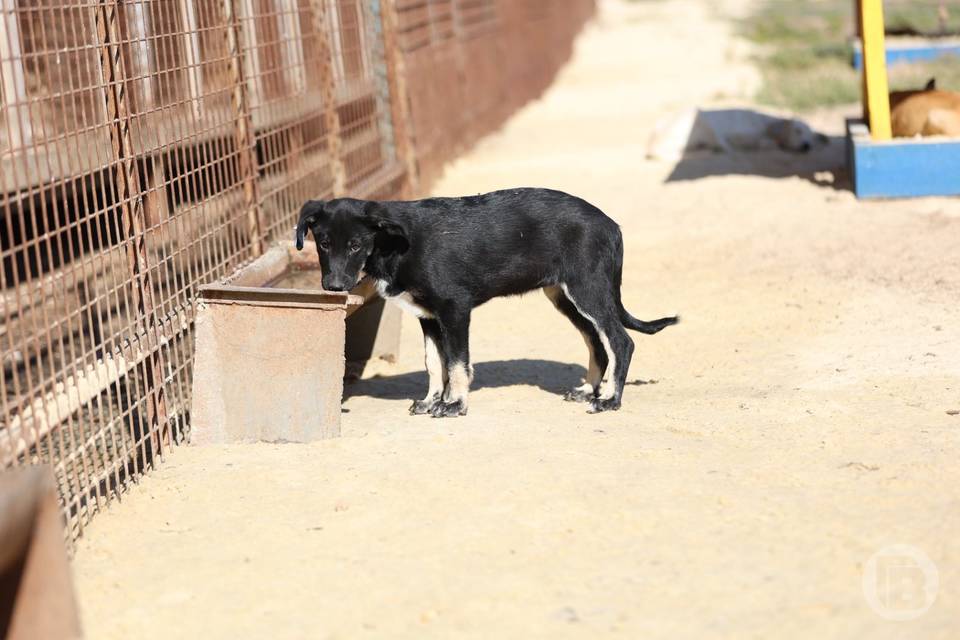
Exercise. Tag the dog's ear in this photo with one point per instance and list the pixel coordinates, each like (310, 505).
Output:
(308, 216)
(391, 235)
(931, 84)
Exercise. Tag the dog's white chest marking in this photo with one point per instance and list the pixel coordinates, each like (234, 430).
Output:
(404, 301)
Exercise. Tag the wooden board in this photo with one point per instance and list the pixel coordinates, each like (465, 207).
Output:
(36, 590)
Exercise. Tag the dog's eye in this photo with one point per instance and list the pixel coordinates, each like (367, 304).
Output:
(324, 245)
(354, 247)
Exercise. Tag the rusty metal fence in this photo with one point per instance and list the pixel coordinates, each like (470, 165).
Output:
(150, 146)
(467, 64)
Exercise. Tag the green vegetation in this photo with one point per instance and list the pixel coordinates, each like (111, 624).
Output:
(805, 52)
(920, 15)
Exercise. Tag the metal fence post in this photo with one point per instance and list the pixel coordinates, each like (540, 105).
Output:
(399, 99)
(131, 200)
(328, 92)
(243, 131)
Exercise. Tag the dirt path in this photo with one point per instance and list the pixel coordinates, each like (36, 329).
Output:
(797, 426)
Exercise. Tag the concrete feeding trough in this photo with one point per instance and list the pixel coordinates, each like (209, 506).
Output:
(271, 348)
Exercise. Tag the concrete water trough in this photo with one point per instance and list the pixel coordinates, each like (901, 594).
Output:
(272, 347)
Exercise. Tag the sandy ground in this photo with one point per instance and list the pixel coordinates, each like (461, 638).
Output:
(798, 423)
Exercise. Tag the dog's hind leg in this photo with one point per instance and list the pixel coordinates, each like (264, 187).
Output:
(587, 391)
(436, 368)
(600, 310)
(455, 349)
(610, 393)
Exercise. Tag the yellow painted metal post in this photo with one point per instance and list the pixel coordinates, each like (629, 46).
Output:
(877, 93)
(858, 13)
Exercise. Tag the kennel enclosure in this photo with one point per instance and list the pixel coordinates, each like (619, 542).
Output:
(149, 147)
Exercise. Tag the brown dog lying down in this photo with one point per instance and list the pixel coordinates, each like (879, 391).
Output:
(925, 112)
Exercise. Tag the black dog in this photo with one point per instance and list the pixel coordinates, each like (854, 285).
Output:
(441, 257)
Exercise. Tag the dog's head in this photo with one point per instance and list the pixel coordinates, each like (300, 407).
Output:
(795, 135)
(347, 233)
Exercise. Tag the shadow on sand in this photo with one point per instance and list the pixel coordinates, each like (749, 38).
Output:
(553, 377)
(823, 166)
(550, 376)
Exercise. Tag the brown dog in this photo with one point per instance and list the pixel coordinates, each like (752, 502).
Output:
(925, 112)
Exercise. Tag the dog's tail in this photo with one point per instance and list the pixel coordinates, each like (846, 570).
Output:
(627, 320)
(649, 328)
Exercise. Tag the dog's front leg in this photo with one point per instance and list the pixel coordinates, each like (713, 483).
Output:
(455, 336)
(436, 368)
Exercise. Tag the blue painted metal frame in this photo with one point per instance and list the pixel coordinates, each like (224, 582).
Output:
(903, 52)
(902, 167)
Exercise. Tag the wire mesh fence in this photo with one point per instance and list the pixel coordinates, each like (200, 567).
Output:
(151, 146)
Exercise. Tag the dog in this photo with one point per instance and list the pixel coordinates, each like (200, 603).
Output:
(439, 258)
(925, 112)
(729, 130)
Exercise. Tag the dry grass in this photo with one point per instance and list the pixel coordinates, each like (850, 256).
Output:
(805, 52)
